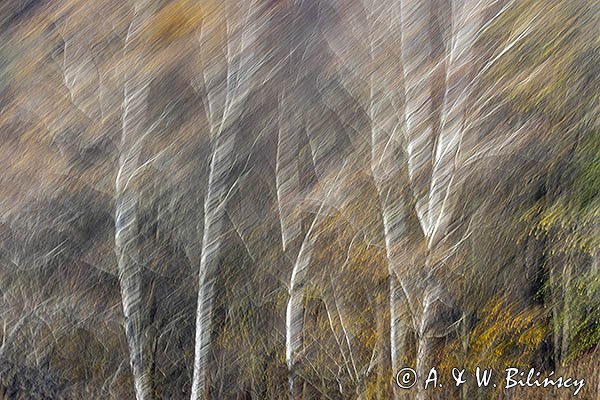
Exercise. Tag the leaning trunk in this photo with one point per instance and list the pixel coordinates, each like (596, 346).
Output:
(126, 236)
(214, 213)
(126, 219)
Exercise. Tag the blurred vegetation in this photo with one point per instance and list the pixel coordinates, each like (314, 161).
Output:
(526, 274)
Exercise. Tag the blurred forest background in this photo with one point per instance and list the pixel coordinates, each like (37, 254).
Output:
(269, 199)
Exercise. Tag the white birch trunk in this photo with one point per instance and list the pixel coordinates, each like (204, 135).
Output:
(126, 209)
(287, 174)
(227, 74)
(214, 214)
(370, 56)
(294, 316)
(419, 78)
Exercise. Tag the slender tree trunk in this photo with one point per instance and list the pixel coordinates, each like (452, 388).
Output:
(399, 332)
(214, 214)
(126, 247)
(294, 316)
(130, 276)
(227, 79)
(126, 216)
(394, 230)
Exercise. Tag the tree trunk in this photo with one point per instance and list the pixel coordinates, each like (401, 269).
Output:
(126, 217)
(214, 213)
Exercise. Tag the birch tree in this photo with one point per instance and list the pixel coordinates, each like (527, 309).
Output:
(229, 62)
(425, 147)
(134, 130)
(419, 134)
(298, 154)
(91, 91)
(372, 77)
(437, 158)
(291, 125)
(287, 182)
